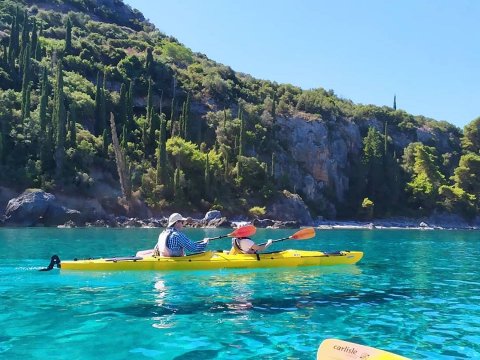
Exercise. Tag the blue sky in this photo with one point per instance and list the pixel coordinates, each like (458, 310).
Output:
(427, 52)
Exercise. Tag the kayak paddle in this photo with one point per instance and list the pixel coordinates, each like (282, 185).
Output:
(334, 349)
(244, 231)
(302, 234)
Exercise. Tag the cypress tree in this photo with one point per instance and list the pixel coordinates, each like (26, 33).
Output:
(13, 40)
(34, 39)
(105, 142)
(26, 84)
(145, 139)
(11, 65)
(59, 119)
(25, 40)
(43, 102)
(274, 106)
(129, 108)
(149, 62)
(72, 126)
(2, 149)
(122, 107)
(274, 159)
(45, 127)
(38, 48)
(172, 110)
(241, 145)
(103, 102)
(385, 137)
(98, 129)
(149, 102)
(13, 43)
(68, 37)
(26, 104)
(25, 33)
(162, 152)
(186, 119)
(207, 176)
(150, 137)
(394, 102)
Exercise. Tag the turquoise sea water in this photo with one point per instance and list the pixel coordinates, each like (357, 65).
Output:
(415, 293)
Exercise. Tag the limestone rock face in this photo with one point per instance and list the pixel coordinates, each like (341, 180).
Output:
(316, 154)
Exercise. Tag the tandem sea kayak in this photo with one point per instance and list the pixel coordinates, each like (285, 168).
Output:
(215, 260)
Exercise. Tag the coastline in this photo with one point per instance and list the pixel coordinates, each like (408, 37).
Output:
(450, 222)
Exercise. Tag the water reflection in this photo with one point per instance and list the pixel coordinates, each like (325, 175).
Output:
(243, 293)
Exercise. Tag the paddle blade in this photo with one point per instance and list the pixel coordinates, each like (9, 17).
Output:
(303, 234)
(334, 349)
(244, 231)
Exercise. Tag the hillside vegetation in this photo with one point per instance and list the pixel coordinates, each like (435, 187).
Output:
(90, 87)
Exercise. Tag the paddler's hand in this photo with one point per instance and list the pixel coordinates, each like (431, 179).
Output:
(205, 241)
(269, 242)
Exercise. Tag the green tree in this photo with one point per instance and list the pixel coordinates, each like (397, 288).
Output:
(457, 200)
(24, 40)
(26, 84)
(471, 137)
(129, 108)
(99, 117)
(43, 102)
(122, 107)
(242, 137)
(373, 160)
(426, 179)
(149, 62)
(72, 126)
(105, 142)
(68, 37)
(161, 177)
(467, 175)
(207, 176)
(13, 43)
(2, 149)
(34, 38)
(367, 208)
(59, 119)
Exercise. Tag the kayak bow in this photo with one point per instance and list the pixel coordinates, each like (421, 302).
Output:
(217, 260)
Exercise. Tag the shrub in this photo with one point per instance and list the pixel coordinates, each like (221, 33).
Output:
(257, 211)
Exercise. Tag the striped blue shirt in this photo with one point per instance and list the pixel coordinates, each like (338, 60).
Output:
(178, 241)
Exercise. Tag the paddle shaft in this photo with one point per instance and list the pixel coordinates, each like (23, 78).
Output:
(303, 234)
(219, 237)
(277, 240)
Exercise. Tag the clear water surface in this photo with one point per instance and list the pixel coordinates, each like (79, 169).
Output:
(415, 293)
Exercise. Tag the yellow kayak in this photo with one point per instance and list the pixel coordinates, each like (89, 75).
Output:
(216, 260)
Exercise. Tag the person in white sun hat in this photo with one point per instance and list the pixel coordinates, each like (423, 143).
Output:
(245, 245)
(172, 242)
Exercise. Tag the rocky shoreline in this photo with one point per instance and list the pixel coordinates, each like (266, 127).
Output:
(41, 209)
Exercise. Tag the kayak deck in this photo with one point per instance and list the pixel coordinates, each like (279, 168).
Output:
(217, 260)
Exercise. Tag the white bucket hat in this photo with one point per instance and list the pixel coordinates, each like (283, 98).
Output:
(174, 218)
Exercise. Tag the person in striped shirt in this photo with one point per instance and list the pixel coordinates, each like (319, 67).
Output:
(172, 242)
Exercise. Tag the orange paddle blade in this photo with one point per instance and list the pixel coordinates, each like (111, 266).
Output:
(306, 233)
(244, 231)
